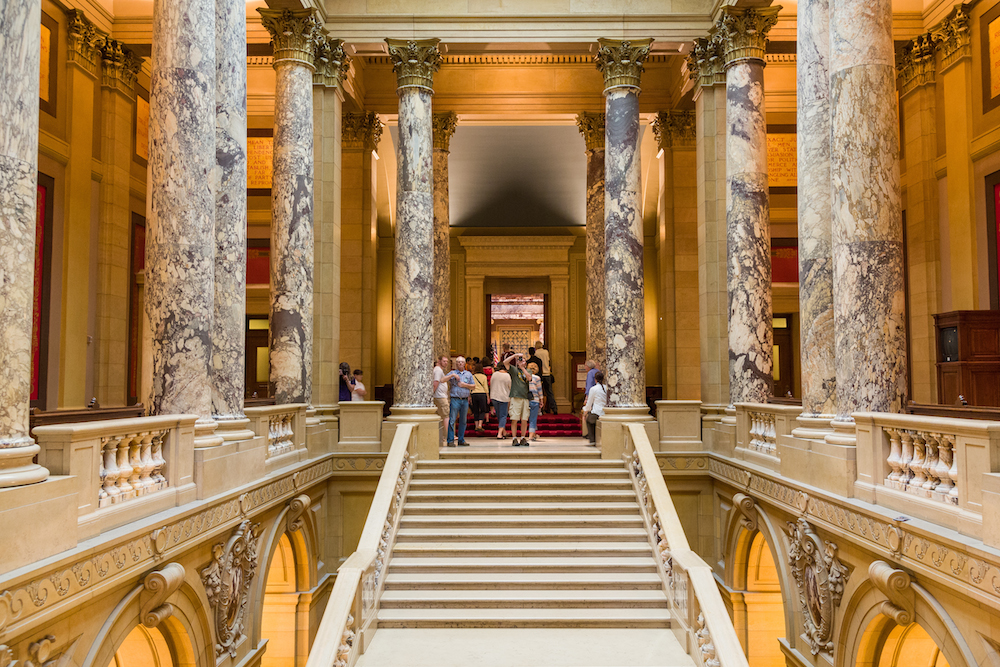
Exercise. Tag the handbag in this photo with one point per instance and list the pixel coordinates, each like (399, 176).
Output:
(592, 418)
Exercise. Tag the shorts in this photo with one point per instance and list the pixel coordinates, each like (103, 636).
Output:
(518, 409)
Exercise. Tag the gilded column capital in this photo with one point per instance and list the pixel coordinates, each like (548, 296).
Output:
(743, 32)
(119, 67)
(915, 63)
(954, 36)
(361, 130)
(83, 40)
(674, 129)
(331, 62)
(705, 62)
(591, 126)
(622, 62)
(414, 61)
(294, 34)
(443, 125)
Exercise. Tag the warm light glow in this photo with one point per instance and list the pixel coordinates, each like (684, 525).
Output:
(375, 155)
(660, 154)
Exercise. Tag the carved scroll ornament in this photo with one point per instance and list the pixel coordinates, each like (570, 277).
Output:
(820, 577)
(227, 583)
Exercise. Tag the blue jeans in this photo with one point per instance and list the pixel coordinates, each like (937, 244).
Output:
(501, 410)
(533, 407)
(458, 409)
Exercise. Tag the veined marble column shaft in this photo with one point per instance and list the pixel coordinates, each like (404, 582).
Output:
(180, 243)
(621, 62)
(444, 127)
(592, 128)
(229, 325)
(20, 43)
(819, 371)
(294, 34)
(868, 298)
(748, 233)
(414, 62)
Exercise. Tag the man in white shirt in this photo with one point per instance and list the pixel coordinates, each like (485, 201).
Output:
(441, 402)
(358, 392)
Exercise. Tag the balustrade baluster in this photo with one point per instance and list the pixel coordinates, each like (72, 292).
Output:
(895, 460)
(135, 460)
(917, 464)
(906, 459)
(158, 461)
(930, 463)
(953, 471)
(109, 473)
(941, 470)
(125, 471)
(146, 456)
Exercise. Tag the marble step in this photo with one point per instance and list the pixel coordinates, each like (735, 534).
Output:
(520, 509)
(496, 598)
(477, 473)
(508, 452)
(430, 566)
(520, 520)
(524, 618)
(521, 580)
(510, 462)
(638, 547)
(516, 496)
(486, 484)
(520, 534)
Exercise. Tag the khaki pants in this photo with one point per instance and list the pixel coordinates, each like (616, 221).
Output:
(442, 406)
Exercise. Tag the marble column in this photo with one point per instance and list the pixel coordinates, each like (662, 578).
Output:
(20, 42)
(294, 35)
(180, 242)
(743, 33)
(444, 126)
(868, 298)
(819, 372)
(621, 63)
(592, 128)
(230, 181)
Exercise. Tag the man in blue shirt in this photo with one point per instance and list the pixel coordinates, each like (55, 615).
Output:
(591, 372)
(460, 382)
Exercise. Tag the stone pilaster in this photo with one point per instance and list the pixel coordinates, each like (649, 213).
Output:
(621, 63)
(592, 128)
(19, 47)
(294, 35)
(743, 33)
(180, 244)
(444, 126)
(229, 325)
(868, 298)
(819, 373)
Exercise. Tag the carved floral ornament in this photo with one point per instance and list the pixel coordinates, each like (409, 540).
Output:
(414, 61)
(674, 128)
(294, 34)
(361, 130)
(443, 126)
(591, 126)
(820, 577)
(622, 62)
(743, 32)
(331, 62)
(227, 582)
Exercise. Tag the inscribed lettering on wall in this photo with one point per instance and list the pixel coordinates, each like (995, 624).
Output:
(259, 162)
(45, 73)
(782, 171)
(141, 127)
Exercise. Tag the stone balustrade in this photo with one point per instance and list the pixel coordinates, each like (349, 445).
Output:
(759, 428)
(361, 427)
(284, 429)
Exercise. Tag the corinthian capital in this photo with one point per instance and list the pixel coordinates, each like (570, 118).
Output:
(744, 32)
(591, 126)
(414, 61)
(705, 62)
(83, 40)
(444, 125)
(674, 128)
(119, 67)
(954, 36)
(915, 64)
(332, 63)
(361, 130)
(294, 34)
(622, 61)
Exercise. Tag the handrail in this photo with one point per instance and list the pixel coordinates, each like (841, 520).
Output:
(348, 621)
(698, 614)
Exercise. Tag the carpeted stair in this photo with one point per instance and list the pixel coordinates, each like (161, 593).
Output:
(549, 426)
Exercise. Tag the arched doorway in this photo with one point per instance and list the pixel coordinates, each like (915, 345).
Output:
(149, 647)
(764, 606)
(286, 633)
(886, 644)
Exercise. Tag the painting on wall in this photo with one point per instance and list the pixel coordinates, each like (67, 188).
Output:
(47, 65)
(784, 261)
(141, 147)
(990, 38)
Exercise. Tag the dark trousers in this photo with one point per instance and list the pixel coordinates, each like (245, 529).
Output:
(550, 397)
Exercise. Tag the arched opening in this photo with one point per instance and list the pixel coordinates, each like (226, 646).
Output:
(764, 607)
(885, 644)
(286, 633)
(149, 647)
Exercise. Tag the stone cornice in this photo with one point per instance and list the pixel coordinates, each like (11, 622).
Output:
(443, 125)
(83, 42)
(622, 62)
(674, 129)
(331, 62)
(954, 36)
(591, 126)
(705, 62)
(743, 32)
(915, 64)
(414, 61)
(120, 67)
(294, 34)
(361, 130)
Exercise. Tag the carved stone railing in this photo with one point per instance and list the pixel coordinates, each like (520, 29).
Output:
(759, 428)
(762, 437)
(699, 617)
(284, 427)
(927, 467)
(124, 468)
(349, 620)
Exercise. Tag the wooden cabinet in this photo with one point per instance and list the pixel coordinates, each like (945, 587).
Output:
(968, 357)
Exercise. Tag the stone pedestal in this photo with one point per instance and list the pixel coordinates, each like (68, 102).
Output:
(426, 424)
(593, 130)
(611, 430)
(444, 126)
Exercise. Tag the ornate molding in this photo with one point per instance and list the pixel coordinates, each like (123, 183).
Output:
(705, 62)
(443, 125)
(414, 61)
(294, 34)
(748, 511)
(743, 32)
(896, 585)
(915, 63)
(360, 130)
(591, 126)
(227, 582)
(622, 61)
(331, 62)
(120, 67)
(157, 587)
(954, 36)
(820, 577)
(83, 42)
(674, 128)
(297, 508)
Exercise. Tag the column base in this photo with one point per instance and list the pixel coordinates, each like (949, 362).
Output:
(17, 468)
(813, 427)
(611, 430)
(425, 420)
(204, 433)
(232, 428)
(844, 433)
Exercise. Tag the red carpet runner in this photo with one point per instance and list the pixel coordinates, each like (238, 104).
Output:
(549, 426)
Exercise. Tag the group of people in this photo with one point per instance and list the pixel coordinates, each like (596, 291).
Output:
(517, 388)
(352, 387)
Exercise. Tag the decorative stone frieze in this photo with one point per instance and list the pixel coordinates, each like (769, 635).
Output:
(443, 126)
(743, 32)
(954, 36)
(294, 34)
(820, 577)
(414, 61)
(331, 62)
(622, 62)
(705, 62)
(591, 126)
(227, 582)
(84, 41)
(915, 63)
(674, 128)
(361, 130)
(119, 67)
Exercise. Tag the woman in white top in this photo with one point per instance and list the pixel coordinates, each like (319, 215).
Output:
(597, 399)
(500, 394)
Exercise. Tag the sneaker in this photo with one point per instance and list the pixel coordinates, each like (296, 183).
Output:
(451, 444)
(524, 442)
(462, 443)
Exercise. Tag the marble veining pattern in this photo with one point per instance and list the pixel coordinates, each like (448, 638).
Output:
(414, 260)
(596, 324)
(748, 235)
(819, 371)
(442, 255)
(19, 49)
(867, 221)
(625, 317)
(229, 326)
(180, 248)
(292, 235)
